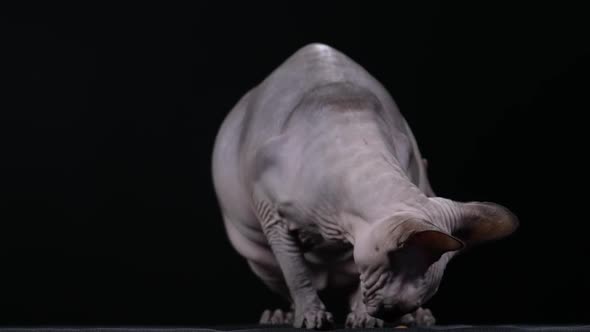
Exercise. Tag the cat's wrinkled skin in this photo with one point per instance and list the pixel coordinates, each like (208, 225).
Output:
(321, 184)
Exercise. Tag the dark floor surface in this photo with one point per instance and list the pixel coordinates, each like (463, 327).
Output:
(285, 328)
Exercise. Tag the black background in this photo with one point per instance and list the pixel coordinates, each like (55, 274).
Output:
(108, 116)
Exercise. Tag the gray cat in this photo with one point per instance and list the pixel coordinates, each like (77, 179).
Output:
(321, 184)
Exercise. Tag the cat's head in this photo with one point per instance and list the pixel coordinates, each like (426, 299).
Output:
(402, 259)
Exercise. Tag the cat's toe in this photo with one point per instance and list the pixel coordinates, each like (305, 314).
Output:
(362, 320)
(276, 317)
(424, 317)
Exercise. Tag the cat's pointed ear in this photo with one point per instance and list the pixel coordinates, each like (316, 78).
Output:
(434, 241)
(483, 222)
(430, 239)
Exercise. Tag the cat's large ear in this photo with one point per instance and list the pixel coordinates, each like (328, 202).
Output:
(434, 241)
(429, 239)
(483, 222)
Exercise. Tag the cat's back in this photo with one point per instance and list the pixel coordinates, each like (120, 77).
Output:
(309, 68)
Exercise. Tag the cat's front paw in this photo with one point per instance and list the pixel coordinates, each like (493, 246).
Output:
(362, 320)
(421, 318)
(276, 317)
(313, 318)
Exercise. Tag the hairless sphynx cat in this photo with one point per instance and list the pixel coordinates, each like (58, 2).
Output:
(321, 185)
